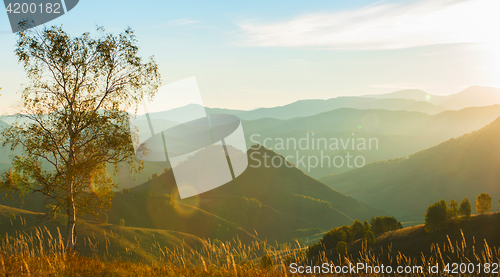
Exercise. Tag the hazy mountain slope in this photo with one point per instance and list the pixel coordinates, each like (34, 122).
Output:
(303, 108)
(411, 94)
(274, 187)
(473, 96)
(399, 133)
(470, 97)
(446, 124)
(315, 106)
(345, 120)
(466, 166)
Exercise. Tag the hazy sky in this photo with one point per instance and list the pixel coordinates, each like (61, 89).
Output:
(248, 54)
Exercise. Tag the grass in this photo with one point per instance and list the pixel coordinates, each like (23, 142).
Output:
(112, 250)
(40, 254)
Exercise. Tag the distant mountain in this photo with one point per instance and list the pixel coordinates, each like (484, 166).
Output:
(466, 166)
(315, 106)
(411, 94)
(475, 96)
(443, 125)
(398, 133)
(303, 108)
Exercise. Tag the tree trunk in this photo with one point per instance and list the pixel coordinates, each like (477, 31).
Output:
(71, 239)
(70, 205)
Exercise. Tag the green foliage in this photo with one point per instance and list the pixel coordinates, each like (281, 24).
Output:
(452, 209)
(370, 238)
(331, 238)
(436, 216)
(122, 222)
(382, 224)
(356, 230)
(342, 248)
(465, 208)
(483, 203)
(266, 262)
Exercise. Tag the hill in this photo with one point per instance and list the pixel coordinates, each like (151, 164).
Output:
(466, 166)
(289, 199)
(262, 203)
(398, 133)
(461, 241)
(93, 239)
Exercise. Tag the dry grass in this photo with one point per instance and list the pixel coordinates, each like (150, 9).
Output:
(40, 253)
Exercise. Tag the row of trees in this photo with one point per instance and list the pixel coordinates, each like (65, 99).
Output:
(440, 213)
(340, 236)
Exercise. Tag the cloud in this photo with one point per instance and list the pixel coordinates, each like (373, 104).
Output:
(183, 22)
(383, 26)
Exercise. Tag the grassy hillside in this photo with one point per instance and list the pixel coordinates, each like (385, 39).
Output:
(466, 166)
(262, 203)
(93, 239)
(459, 242)
(285, 199)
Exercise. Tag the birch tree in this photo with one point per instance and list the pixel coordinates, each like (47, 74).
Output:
(75, 117)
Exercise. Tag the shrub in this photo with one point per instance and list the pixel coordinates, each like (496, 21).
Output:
(436, 216)
(370, 238)
(465, 208)
(483, 203)
(335, 235)
(453, 209)
(382, 224)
